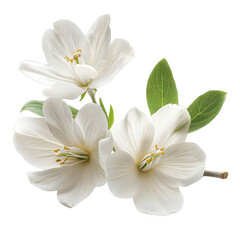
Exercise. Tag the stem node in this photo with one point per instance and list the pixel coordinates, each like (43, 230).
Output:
(91, 93)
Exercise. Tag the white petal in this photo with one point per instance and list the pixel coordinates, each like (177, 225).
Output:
(134, 134)
(55, 53)
(182, 164)
(60, 122)
(42, 73)
(85, 74)
(99, 36)
(64, 91)
(118, 55)
(105, 149)
(154, 197)
(34, 141)
(93, 123)
(99, 177)
(73, 183)
(122, 175)
(72, 38)
(166, 121)
(34, 127)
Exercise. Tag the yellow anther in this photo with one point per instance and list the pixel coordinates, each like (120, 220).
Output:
(69, 59)
(79, 50)
(66, 148)
(156, 147)
(163, 153)
(56, 150)
(66, 159)
(58, 160)
(152, 154)
(62, 163)
(148, 160)
(162, 149)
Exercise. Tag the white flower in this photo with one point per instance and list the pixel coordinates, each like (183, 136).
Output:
(152, 160)
(71, 151)
(77, 62)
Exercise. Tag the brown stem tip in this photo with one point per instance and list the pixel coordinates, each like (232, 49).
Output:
(224, 175)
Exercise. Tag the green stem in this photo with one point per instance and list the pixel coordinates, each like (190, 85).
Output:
(92, 95)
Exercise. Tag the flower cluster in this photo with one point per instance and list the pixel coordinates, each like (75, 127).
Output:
(144, 158)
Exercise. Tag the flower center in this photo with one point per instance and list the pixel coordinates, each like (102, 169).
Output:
(75, 56)
(70, 155)
(151, 159)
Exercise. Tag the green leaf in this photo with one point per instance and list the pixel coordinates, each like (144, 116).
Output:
(74, 111)
(35, 106)
(83, 95)
(205, 108)
(103, 108)
(161, 87)
(111, 117)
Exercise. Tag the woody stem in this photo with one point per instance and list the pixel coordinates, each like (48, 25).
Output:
(222, 175)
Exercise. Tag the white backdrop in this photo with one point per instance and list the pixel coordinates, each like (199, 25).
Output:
(201, 41)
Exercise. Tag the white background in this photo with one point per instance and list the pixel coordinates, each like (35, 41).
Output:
(201, 41)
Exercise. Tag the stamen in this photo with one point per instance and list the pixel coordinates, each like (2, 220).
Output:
(72, 154)
(152, 159)
(78, 52)
(69, 59)
(76, 55)
(148, 160)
